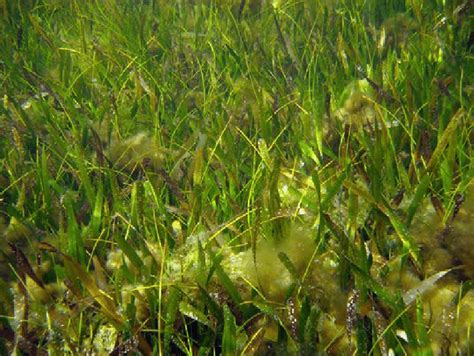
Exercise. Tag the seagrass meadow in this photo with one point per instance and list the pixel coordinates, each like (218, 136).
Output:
(236, 177)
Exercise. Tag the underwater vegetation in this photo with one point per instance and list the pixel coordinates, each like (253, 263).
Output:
(131, 153)
(242, 177)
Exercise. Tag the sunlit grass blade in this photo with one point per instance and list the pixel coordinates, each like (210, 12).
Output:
(417, 198)
(229, 333)
(445, 139)
(194, 313)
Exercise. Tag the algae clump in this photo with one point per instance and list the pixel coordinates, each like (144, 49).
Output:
(266, 271)
(137, 152)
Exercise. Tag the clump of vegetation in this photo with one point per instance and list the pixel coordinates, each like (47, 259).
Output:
(136, 151)
(255, 177)
(359, 107)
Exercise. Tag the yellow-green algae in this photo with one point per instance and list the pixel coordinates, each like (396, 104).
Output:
(359, 107)
(442, 244)
(268, 273)
(135, 152)
(263, 270)
(450, 320)
(460, 236)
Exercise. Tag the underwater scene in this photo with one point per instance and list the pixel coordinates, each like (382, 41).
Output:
(241, 177)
